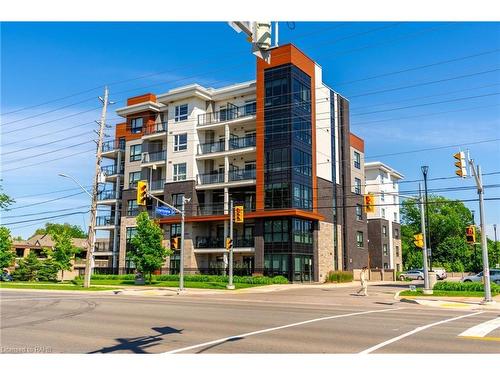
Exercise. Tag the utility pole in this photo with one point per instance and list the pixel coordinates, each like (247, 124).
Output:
(230, 284)
(89, 261)
(425, 170)
(475, 264)
(476, 171)
(496, 244)
(427, 289)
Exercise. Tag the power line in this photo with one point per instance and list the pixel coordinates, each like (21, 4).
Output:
(47, 201)
(49, 152)
(47, 217)
(44, 144)
(43, 212)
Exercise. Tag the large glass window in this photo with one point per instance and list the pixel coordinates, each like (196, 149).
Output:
(132, 207)
(276, 92)
(129, 234)
(277, 195)
(384, 230)
(302, 163)
(181, 112)
(179, 172)
(250, 107)
(136, 125)
(180, 142)
(276, 231)
(175, 230)
(357, 185)
(302, 231)
(135, 152)
(301, 94)
(385, 250)
(277, 160)
(302, 129)
(359, 212)
(302, 196)
(177, 200)
(133, 177)
(359, 239)
(357, 160)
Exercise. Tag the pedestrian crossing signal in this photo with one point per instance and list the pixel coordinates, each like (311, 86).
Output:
(418, 240)
(229, 243)
(174, 243)
(239, 213)
(369, 200)
(470, 233)
(142, 192)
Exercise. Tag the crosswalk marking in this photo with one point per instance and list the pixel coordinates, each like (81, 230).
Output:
(482, 329)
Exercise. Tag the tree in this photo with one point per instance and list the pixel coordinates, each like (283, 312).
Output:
(63, 252)
(7, 256)
(74, 231)
(147, 251)
(28, 268)
(448, 220)
(5, 200)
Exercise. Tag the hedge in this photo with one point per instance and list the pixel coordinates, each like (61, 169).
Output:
(339, 277)
(461, 286)
(258, 280)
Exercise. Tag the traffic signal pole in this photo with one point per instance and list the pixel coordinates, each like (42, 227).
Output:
(427, 289)
(230, 285)
(476, 171)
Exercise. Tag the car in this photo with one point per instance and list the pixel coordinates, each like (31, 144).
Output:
(412, 274)
(494, 277)
(440, 273)
(5, 276)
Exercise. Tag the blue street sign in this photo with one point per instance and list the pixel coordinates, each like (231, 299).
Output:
(165, 211)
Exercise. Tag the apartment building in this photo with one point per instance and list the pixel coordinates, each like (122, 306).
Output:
(384, 228)
(279, 145)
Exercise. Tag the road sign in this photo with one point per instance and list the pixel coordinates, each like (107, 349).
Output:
(165, 211)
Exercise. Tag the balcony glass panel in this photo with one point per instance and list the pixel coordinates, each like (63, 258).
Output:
(228, 114)
(149, 157)
(246, 141)
(242, 174)
(211, 178)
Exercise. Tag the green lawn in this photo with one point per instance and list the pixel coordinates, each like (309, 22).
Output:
(444, 293)
(51, 286)
(175, 284)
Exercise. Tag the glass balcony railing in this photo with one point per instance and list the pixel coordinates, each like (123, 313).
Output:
(247, 141)
(202, 242)
(105, 221)
(112, 145)
(157, 185)
(242, 174)
(211, 209)
(106, 194)
(151, 157)
(208, 148)
(101, 246)
(110, 170)
(227, 114)
(211, 178)
(156, 128)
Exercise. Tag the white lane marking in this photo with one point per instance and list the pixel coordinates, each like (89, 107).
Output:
(44, 298)
(277, 328)
(482, 329)
(416, 330)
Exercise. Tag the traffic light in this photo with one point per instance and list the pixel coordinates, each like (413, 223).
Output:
(369, 203)
(229, 243)
(470, 233)
(460, 164)
(418, 240)
(142, 192)
(239, 213)
(174, 243)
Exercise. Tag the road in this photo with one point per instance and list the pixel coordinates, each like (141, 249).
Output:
(298, 320)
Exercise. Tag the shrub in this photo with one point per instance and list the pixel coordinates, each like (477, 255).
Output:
(461, 286)
(339, 277)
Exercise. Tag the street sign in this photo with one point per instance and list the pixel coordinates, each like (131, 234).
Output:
(165, 211)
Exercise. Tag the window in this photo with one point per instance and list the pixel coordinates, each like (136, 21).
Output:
(177, 200)
(384, 230)
(302, 163)
(180, 142)
(383, 213)
(277, 160)
(396, 233)
(135, 152)
(136, 125)
(385, 250)
(179, 172)
(382, 196)
(133, 177)
(397, 251)
(359, 239)
(357, 160)
(302, 196)
(250, 107)
(395, 217)
(175, 230)
(276, 231)
(181, 112)
(301, 129)
(357, 185)
(277, 195)
(129, 235)
(386, 266)
(302, 231)
(359, 212)
(132, 207)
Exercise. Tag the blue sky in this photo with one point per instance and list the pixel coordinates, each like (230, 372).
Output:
(45, 61)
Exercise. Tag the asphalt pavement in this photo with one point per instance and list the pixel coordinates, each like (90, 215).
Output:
(309, 319)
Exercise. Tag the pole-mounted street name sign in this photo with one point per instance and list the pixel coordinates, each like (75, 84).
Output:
(165, 211)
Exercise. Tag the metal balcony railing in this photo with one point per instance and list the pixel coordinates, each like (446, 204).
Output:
(211, 178)
(156, 128)
(104, 220)
(211, 209)
(227, 114)
(208, 148)
(203, 242)
(110, 170)
(149, 157)
(157, 185)
(106, 194)
(103, 246)
(112, 145)
(246, 141)
(242, 174)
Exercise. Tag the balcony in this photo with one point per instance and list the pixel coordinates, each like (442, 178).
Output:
(234, 113)
(209, 148)
(108, 196)
(210, 209)
(105, 221)
(242, 174)
(211, 178)
(103, 247)
(110, 149)
(157, 185)
(202, 242)
(236, 146)
(240, 177)
(112, 171)
(243, 142)
(154, 157)
(155, 130)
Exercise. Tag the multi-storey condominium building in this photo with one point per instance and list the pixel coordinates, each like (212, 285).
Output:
(279, 145)
(384, 228)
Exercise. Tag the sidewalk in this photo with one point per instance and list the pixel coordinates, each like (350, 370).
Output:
(468, 303)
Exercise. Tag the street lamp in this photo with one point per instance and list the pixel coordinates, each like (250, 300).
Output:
(89, 261)
(425, 170)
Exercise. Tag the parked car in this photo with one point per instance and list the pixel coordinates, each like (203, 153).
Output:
(440, 273)
(5, 276)
(494, 277)
(412, 274)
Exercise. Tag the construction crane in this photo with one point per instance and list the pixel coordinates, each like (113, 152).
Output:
(259, 35)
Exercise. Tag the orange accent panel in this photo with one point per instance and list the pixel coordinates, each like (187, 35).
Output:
(356, 142)
(286, 54)
(141, 99)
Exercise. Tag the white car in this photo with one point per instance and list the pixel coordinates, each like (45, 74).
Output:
(412, 274)
(494, 277)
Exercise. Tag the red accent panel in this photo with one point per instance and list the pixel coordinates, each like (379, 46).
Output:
(141, 99)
